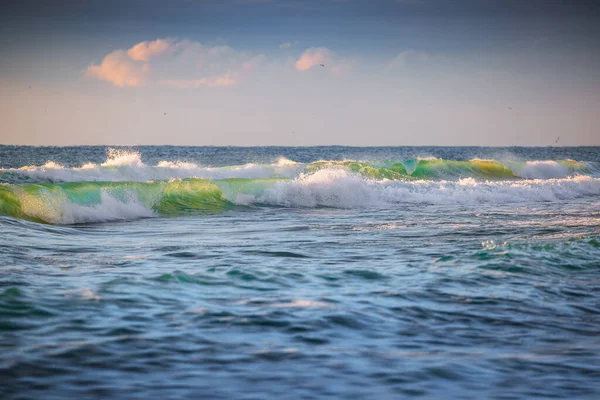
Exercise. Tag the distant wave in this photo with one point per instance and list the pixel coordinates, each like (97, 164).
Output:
(86, 202)
(127, 166)
(433, 168)
(124, 166)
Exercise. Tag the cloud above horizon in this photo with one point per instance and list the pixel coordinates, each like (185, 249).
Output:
(144, 50)
(183, 64)
(120, 70)
(322, 56)
(175, 63)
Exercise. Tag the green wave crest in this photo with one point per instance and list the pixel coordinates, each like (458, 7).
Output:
(417, 169)
(50, 203)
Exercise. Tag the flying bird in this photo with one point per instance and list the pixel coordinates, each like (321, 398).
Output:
(557, 139)
(322, 65)
(510, 108)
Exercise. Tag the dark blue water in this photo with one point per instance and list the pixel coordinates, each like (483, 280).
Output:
(322, 283)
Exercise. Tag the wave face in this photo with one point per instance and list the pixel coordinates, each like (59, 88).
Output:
(85, 202)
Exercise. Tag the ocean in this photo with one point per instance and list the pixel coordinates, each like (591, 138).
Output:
(299, 272)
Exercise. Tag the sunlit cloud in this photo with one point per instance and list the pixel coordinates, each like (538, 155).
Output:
(120, 70)
(322, 57)
(313, 57)
(176, 63)
(144, 50)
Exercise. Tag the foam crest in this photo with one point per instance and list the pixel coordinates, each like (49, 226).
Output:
(49, 165)
(284, 162)
(544, 169)
(52, 165)
(177, 165)
(128, 170)
(123, 158)
(328, 188)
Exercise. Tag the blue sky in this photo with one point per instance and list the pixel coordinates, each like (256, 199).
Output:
(248, 72)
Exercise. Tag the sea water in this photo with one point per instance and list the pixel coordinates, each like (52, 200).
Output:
(318, 272)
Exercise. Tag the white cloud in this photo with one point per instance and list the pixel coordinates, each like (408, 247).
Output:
(175, 63)
(414, 59)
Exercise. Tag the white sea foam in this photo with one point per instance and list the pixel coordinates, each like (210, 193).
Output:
(123, 158)
(284, 162)
(49, 165)
(57, 209)
(177, 165)
(327, 187)
(123, 166)
(539, 169)
(341, 189)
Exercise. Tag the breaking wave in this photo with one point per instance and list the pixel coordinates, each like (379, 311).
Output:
(85, 202)
(124, 187)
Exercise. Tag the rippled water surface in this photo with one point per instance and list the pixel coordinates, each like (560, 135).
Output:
(292, 273)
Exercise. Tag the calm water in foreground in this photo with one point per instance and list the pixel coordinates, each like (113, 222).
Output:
(330, 272)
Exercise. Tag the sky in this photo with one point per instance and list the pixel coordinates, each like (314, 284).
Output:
(300, 73)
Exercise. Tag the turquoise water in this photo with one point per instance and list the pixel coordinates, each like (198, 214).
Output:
(330, 272)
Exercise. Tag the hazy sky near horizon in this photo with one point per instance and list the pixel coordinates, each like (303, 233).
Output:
(248, 72)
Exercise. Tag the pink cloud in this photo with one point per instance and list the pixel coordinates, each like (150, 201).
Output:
(176, 63)
(143, 51)
(313, 57)
(322, 56)
(118, 69)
